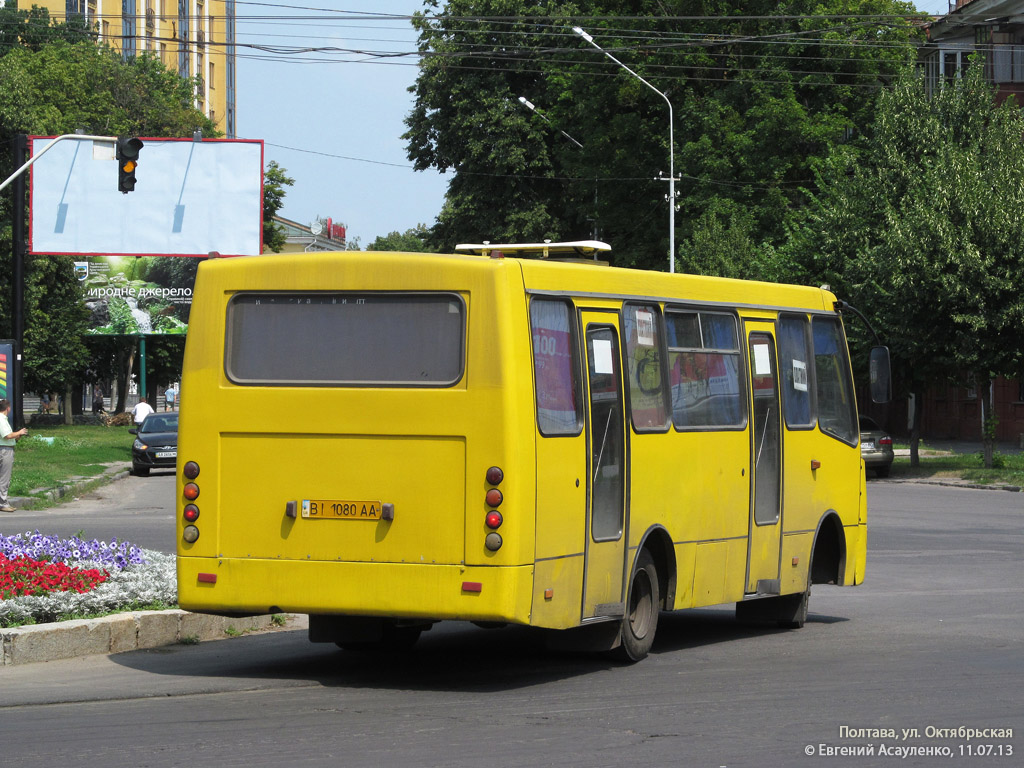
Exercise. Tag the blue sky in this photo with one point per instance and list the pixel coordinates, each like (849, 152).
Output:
(348, 106)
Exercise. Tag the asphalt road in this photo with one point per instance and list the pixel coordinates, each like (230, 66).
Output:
(933, 640)
(135, 509)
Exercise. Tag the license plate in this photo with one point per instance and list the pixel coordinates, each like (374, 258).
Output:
(330, 509)
(869, 446)
(166, 454)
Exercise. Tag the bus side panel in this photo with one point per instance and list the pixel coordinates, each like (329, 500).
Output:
(557, 586)
(801, 506)
(695, 485)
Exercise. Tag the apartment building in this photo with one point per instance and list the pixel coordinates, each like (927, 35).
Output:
(192, 37)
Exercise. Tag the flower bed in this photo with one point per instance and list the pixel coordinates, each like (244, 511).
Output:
(45, 578)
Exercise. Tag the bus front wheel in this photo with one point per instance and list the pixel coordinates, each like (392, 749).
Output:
(641, 619)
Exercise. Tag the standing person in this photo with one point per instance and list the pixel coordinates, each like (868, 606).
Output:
(169, 396)
(97, 399)
(141, 411)
(8, 437)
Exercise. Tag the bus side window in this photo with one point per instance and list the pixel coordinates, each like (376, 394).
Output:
(642, 335)
(836, 408)
(795, 371)
(704, 370)
(555, 368)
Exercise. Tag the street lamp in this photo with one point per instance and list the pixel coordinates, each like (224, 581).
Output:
(671, 151)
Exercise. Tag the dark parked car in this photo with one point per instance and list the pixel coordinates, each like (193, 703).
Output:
(156, 443)
(875, 447)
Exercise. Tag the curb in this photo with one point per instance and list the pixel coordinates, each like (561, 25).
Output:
(118, 471)
(955, 484)
(123, 632)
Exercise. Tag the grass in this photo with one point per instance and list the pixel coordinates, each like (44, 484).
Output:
(1007, 469)
(80, 451)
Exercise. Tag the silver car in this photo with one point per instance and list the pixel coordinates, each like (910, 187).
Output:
(875, 447)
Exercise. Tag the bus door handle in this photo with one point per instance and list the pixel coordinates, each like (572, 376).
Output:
(815, 464)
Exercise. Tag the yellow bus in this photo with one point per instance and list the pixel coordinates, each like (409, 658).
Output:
(387, 440)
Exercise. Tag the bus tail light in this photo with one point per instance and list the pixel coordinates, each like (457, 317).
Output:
(493, 519)
(495, 475)
(493, 541)
(191, 470)
(190, 534)
(191, 491)
(191, 513)
(494, 498)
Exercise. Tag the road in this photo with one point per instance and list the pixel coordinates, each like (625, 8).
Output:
(136, 509)
(932, 640)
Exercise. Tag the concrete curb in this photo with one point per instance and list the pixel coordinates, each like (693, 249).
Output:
(75, 485)
(123, 632)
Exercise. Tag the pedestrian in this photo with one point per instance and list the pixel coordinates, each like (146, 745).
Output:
(170, 394)
(8, 438)
(141, 411)
(97, 400)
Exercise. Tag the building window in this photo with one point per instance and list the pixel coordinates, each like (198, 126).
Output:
(128, 29)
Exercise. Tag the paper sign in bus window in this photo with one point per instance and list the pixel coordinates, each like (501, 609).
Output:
(800, 375)
(644, 328)
(603, 356)
(762, 360)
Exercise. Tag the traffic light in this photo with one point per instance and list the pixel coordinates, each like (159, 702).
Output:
(127, 160)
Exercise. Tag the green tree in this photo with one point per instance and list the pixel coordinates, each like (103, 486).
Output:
(275, 179)
(759, 91)
(412, 241)
(921, 229)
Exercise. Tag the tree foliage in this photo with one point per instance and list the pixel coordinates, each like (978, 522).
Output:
(759, 91)
(411, 241)
(920, 228)
(275, 179)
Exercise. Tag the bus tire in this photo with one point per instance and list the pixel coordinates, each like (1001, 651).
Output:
(642, 605)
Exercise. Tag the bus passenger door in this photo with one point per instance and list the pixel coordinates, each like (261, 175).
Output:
(765, 526)
(607, 464)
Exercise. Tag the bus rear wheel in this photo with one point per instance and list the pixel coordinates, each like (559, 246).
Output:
(642, 606)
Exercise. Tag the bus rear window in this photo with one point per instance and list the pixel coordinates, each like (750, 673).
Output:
(332, 339)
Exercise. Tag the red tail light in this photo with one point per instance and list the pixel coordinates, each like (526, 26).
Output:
(495, 475)
(191, 513)
(885, 441)
(191, 491)
(494, 497)
(493, 519)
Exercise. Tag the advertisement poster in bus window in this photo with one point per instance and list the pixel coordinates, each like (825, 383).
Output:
(553, 366)
(128, 295)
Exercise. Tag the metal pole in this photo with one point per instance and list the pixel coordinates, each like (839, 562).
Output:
(671, 151)
(18, 283)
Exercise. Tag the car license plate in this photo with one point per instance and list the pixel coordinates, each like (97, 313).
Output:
(166, 454)
(330, 509)
(869, 445)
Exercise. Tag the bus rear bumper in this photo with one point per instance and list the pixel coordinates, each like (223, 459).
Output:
(399, 590)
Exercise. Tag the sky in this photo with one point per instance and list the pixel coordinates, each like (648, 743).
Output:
(348, 106)
(334, 120)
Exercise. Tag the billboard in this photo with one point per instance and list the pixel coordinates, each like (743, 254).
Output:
(128, 295)
(191, 198)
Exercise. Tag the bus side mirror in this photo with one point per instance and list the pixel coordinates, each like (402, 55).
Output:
(880, 373)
